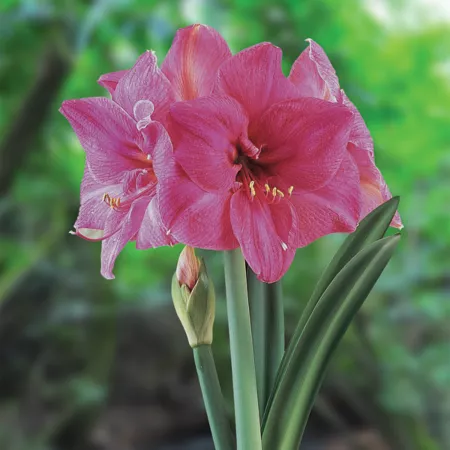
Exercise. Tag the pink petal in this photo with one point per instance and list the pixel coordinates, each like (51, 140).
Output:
(112, 246)
(374, 190)
(204, 135)
(152, 232)
(303, 141)
(156, 139)
(193, 60)
(108, 135)
(335, 208)
(145, 81)
(266, 233)
(314, 75)
(188, 268)
(359, 135)
(94, 211)
(109, 80)
(190, 214)
(254, 78)
(136, 180)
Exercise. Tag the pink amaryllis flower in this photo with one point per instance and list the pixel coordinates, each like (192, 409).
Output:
(314, 76)
(118, 191)
(255, 165)
(122, 136)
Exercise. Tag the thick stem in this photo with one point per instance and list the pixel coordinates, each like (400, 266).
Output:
(248, 433)
(212, 397)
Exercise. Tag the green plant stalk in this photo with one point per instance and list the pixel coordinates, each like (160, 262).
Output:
(213, 398)
(258, 301)
(275, 333)
(248, 434)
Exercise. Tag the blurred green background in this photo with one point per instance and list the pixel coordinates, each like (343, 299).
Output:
(90, 364)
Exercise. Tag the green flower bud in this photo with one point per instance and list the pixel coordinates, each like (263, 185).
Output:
(194, 298)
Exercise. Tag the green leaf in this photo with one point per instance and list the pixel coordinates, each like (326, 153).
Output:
(371, 228)
(292, 402)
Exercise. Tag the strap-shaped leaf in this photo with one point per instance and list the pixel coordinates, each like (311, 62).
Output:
(293, 400)
(371, 228)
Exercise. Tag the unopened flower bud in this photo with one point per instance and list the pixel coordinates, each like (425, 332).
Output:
(194, 298)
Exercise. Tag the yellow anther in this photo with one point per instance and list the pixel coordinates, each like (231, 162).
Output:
(267, 188)
(252, 188)
(274, 191)
(280, 193)
(290, 190)
(113, 202)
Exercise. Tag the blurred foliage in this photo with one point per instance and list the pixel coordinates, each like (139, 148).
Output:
(398, 75)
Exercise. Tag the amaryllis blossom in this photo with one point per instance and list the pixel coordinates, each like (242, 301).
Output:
(118, 191)
(121, 136)
(314, 76)
(256, 165)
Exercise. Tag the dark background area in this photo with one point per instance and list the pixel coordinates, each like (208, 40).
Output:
(90, 364)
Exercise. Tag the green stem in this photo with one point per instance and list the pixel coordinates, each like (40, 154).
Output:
(212, 397)
(275, 332)
(248, 433)
(257, 292)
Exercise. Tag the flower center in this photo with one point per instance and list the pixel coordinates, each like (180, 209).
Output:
(253, 175)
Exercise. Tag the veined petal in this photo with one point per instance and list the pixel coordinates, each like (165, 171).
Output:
(303, 141)
(137, 180)
(152, 232)
(335, 208)
(156, 139)
(113, 245)
(109, 80)
(195, 217)
(266, 234)
(145, 81)
(108, 135)
(204, 134)
(190, 214)
(254, 78)
(313, 74)
(94, 211)
(192, 62)
(359, 134)
(374, 190)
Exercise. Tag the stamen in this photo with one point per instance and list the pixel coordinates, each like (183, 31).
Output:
(267, 188)
(284, 246)
(252, 188)
(290, 190)
(274, 191)
(113, 202)
(280, 193)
